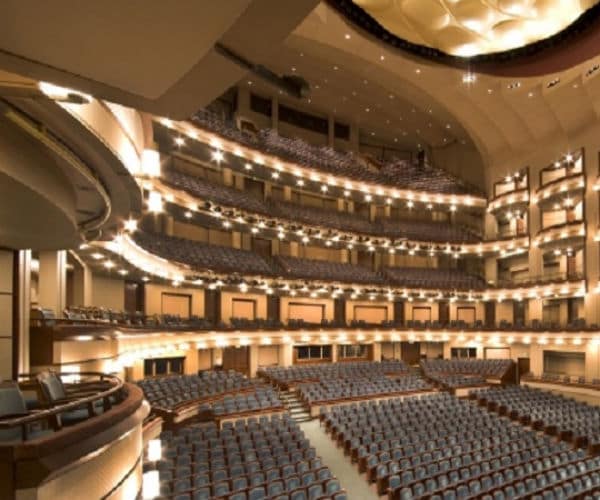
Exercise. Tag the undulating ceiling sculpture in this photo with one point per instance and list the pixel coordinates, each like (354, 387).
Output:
(473, 31)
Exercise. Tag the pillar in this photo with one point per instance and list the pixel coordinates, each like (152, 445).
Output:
(491, 269)
(243, 101)
(275, 247)
(22, 295)
(330, 131)
(294, 249)
(592, 255)
(190, 365)
(275, 113)
(372, 212)
(376, 351)
(53, 281)
(354, 137)
(253, 361)
(334, 353)
(227, 176)
(287, 193)
(286, 354)
(82, 285)
(236, 239)
(344, 256)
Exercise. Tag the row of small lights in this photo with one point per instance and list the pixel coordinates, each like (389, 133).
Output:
(129, 357)
(218, 155)
(358, 293)
(155, 205)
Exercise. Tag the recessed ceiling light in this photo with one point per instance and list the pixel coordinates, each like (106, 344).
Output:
(367, 109)
(469, 78)
(335, 68)
(490, 91)
(365, 81)
(347, 36)
(382, 58)
(530, 94)
(391, 96)
(418, 71)
(447, 125)
(180, 141)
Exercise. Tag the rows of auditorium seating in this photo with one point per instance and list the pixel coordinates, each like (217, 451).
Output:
(555, 378)
(438, 446)
(170, 391)
(399, 173)
(566, 417)
(347, 389)
(419, 277)
(284, 376)
(262, 399)
(107, 315)
(202, 256)
(246, 460)
(331, 219)
(456, 380)
(327, 271)
(487, 368)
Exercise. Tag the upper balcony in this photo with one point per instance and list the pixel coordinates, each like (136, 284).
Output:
(511, 194)
(296, 163)
(564, 179)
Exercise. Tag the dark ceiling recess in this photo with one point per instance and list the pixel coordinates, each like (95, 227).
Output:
(575, 44)
(292, 85)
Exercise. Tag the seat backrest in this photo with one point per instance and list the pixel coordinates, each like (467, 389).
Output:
(12, 402)
(51, 386)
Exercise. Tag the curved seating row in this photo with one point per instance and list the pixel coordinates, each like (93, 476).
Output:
(201, 256)
(284, 376)
(226, 196)
(557, 415)
(252, 459)
(398, 173)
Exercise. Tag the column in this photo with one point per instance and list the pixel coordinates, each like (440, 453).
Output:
(190, 365)
(344, 256)
(287, 193)
(227, 176)
(22, 294)
(294, 246)
(275, 113)
(7, 298)
(491, 269)
(334, 353)
(592, 254)
(243, 101)
(330, 131)
(53, 281)
(275, 247)
(236, 239)
(372, 212)
(82, 285)
(354, 137)
(286, 354)
(253, 361)
(376, 351)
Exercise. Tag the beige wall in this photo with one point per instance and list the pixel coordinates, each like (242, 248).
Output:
(285, 306)
(227, 304)
(153, 298)
(410, 306)
(268, 355)
(374, 316)
(109, 293)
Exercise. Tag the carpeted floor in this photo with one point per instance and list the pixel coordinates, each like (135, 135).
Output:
(354, 483)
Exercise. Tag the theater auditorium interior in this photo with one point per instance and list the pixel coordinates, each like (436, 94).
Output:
(300, 250)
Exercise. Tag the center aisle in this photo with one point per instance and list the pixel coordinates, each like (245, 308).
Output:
(341, 467)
